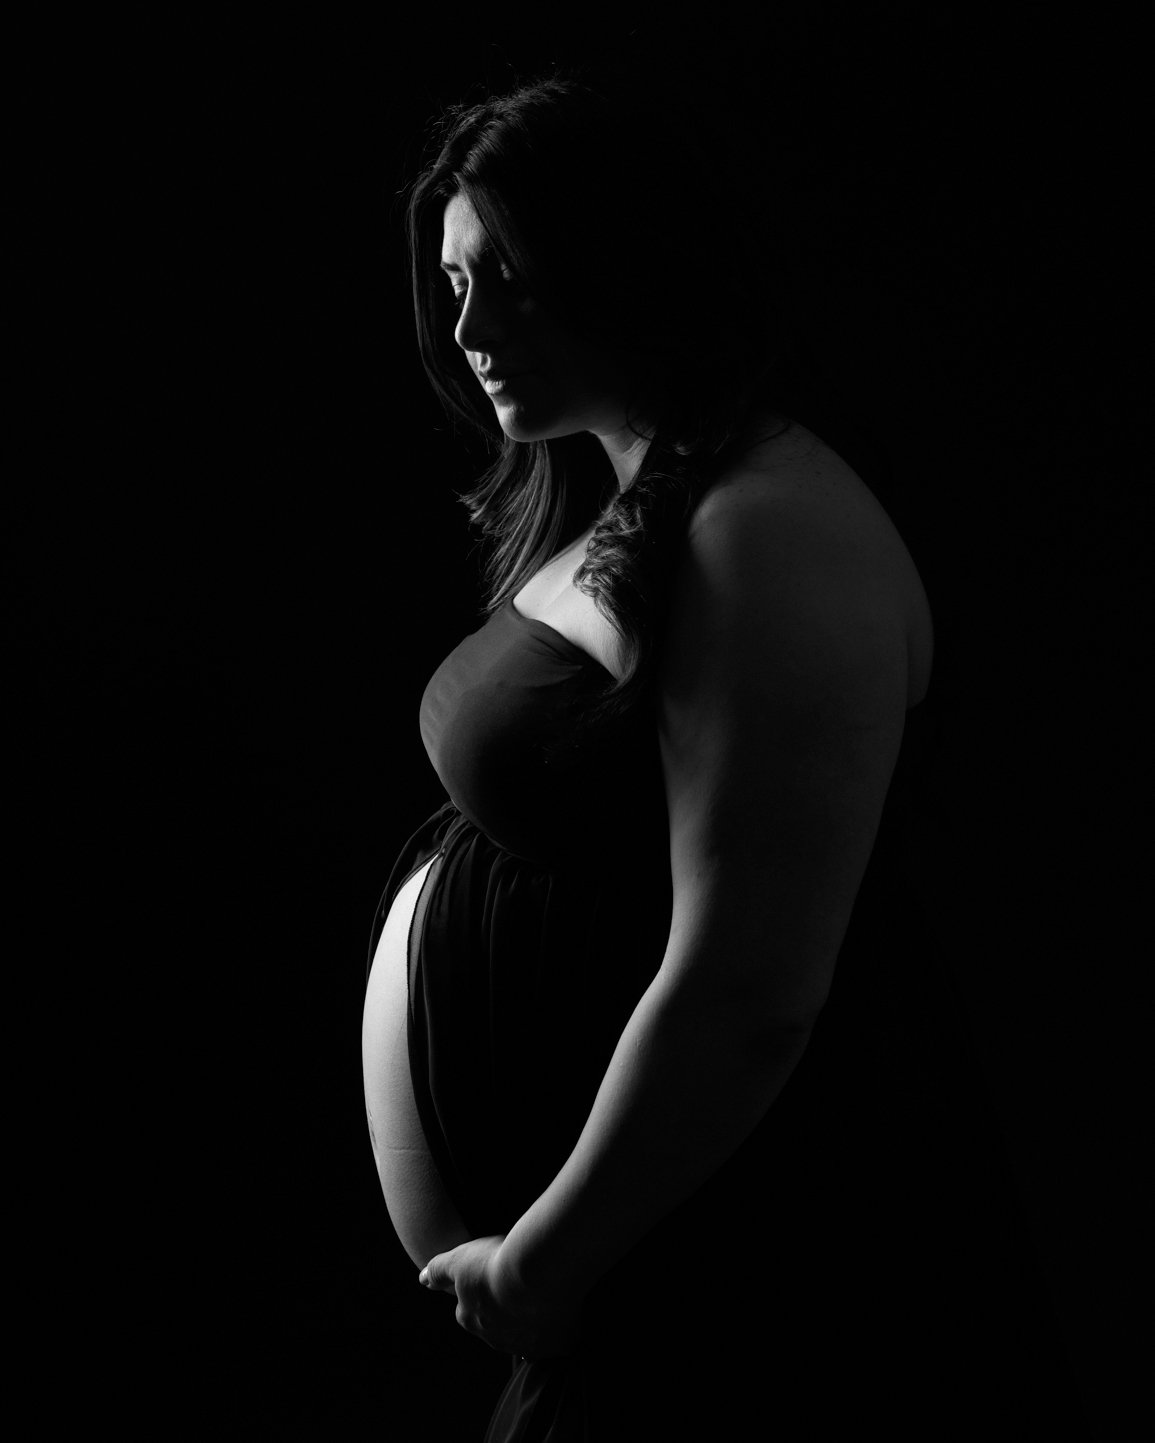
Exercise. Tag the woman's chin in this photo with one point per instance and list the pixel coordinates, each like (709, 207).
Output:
(520, 423)
(520, 427)
(523, 434)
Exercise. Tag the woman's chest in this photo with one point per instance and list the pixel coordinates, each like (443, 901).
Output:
(551, 596)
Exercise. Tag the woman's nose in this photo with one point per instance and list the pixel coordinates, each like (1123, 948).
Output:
(482, 324)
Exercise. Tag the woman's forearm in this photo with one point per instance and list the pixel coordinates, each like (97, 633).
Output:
(688, 1082)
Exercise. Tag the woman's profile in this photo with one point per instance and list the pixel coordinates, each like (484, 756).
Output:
(664, 1090)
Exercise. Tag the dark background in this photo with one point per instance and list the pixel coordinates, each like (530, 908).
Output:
(233, 558)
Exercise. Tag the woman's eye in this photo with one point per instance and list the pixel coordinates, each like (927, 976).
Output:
(458, 298)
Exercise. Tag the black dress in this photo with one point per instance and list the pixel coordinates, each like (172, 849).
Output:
(860, 1263)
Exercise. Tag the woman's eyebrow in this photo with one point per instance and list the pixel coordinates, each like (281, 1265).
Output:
(483, 255)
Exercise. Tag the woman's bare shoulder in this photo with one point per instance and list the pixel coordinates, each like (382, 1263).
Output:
(799, 473)
(806, 511)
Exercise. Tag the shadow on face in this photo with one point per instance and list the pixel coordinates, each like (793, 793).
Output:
(543, 380)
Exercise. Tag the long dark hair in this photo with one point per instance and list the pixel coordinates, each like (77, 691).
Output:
(616, 208)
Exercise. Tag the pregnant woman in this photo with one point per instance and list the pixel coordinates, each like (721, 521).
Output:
(665, 1090)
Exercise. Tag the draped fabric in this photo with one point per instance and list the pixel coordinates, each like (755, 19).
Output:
(860, 1262)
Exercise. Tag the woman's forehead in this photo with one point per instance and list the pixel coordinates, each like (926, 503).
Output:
(463, 235)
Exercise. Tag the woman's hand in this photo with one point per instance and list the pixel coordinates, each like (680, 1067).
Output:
(495, 1307)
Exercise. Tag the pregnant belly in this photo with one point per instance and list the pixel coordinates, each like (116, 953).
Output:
(419, 1206)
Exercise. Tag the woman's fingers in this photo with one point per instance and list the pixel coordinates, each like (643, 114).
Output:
(438, 1274)
(510, 1324)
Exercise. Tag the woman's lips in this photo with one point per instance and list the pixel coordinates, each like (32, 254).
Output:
(494, 385)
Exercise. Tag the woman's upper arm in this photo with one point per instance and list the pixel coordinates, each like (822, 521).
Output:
(782, 691)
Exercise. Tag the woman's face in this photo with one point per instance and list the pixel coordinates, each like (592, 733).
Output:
(557, 384)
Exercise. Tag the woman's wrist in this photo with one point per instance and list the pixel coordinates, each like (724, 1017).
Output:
(550, 1315)
(536, 1274)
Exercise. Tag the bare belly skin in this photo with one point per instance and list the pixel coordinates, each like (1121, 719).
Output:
(422, 1214)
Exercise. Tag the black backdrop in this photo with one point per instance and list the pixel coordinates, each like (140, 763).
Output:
(233, 558)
